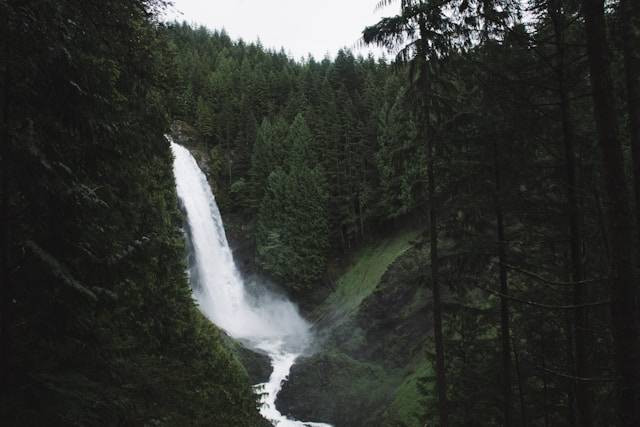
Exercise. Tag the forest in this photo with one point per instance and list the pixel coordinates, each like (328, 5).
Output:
(458, 219)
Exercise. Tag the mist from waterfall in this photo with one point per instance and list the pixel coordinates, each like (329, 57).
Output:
(260, 319)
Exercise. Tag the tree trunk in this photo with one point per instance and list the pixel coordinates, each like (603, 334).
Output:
(505, 334)
(441, 383)
(582, 406)
(4, 207)
(545, 387)
(630, 18)
(523, 406)
(626, 332)
(435, 286)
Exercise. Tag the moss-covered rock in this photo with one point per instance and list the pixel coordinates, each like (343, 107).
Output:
(397, 317)
(375, 334)
(334, 388)
(256, 363)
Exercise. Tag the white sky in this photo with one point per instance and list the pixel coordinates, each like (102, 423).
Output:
(300, 26)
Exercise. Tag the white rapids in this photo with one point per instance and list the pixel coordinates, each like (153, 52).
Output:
(265, 322)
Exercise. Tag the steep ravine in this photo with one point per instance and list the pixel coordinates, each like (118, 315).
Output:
(373, 330)
(252, 313)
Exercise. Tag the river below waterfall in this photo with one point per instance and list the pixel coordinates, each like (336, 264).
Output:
(257, 317)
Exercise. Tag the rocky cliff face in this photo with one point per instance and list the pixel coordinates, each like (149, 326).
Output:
(236, 227)
(257, 364)
(367, 370)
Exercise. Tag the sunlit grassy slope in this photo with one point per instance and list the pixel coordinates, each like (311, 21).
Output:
(364, 273)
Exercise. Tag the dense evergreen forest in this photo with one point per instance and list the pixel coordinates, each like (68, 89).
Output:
(502, 136)
(98, 324)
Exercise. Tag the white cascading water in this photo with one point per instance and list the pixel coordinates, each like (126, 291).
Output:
(265, 321)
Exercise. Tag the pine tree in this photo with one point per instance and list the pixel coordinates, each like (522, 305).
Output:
(307, 207)
(292, 231)
(624, 293)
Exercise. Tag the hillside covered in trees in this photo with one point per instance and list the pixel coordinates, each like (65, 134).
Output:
(460, 220)
(98, 323)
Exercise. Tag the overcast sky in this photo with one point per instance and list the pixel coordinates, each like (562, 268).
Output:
(300, 26)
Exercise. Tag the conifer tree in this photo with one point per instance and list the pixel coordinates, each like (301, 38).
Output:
(292, 231)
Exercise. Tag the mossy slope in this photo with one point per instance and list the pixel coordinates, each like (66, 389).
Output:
(374, 331)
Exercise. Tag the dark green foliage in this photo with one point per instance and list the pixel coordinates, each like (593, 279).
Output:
(269, 153)
(98, 323)
(355, 117)
(309, 161)
(291, 230)
(399, 159)
(503, 111)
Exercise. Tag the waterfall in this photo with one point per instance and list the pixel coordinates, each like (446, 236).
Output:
(263, 321)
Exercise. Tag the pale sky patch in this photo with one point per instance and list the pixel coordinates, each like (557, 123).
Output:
(318, 27)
